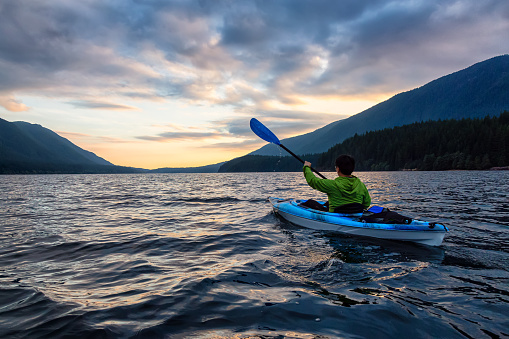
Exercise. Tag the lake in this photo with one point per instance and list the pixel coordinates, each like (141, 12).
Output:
(202, 255)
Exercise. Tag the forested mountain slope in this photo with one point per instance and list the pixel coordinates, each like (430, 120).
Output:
(477, 91)
(466, 144)
(31, 148)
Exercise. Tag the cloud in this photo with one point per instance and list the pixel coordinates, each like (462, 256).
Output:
(176, 132)
(99, 105)
(243, 54)
(246, 145)
(236, 131)
(91, 139)
(172, 136)
(11, 104)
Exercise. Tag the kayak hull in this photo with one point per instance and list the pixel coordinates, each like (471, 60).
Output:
(417, 231)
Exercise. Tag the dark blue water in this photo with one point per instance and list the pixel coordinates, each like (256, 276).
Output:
(202, 255)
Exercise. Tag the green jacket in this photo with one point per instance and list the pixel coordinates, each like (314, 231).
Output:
(340, 191)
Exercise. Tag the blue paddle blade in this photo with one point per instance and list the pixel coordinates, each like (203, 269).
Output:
(263, 132)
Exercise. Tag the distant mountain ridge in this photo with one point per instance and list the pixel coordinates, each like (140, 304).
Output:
(22, 141)
(201, 169)
(31, 148)
(477, 91)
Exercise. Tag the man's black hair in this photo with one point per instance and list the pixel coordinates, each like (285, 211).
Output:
(346, 164)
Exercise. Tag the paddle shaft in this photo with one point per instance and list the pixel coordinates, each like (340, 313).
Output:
(297, 157)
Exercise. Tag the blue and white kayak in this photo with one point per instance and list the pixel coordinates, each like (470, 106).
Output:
(421, 232)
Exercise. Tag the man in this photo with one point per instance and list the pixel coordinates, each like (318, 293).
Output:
(346, 193)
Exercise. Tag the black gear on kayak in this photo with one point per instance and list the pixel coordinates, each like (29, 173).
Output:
(352, 208)
(313, 204)
(386, 216)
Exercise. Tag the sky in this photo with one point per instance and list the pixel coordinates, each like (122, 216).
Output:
(153, 83)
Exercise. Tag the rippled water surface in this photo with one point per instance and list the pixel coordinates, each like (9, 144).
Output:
(202, 255)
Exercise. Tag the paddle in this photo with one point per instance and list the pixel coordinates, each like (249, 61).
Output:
(266, 134)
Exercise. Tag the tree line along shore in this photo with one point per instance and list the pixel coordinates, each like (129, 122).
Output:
(466, 144)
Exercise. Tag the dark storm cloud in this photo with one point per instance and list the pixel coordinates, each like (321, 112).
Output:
(241, 53)
(274, 20)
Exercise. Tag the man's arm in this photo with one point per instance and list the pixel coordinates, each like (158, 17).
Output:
(322, 185)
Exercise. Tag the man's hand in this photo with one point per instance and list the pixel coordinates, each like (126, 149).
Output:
(307, 163)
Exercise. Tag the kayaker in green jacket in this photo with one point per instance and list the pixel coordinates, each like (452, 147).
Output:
(346, 193)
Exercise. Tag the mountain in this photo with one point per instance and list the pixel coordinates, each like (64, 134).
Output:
(202, 169)
(476, 144)
(477, 91)
(31, 148)
(23, 141)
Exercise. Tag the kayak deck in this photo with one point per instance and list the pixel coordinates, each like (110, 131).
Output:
(417, 231)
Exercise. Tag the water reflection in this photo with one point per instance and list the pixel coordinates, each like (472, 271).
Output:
(198, 255)
(352, 249)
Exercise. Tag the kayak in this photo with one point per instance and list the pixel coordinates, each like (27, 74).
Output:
(421, 232)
